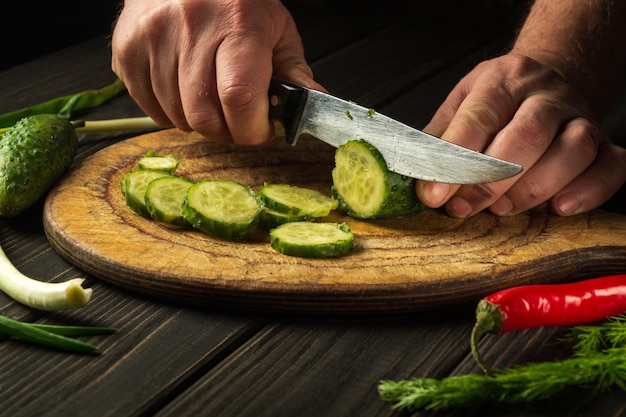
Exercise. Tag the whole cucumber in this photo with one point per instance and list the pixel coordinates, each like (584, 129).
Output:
(34, 153)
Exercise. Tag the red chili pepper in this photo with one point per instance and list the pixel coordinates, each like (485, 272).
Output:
(550, 305)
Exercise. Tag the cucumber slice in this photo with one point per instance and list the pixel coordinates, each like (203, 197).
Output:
(154, 161)
(296, 200)
(164, 199)
(222, 208)
(134, 184)
(366, 188)
(269, 219)
(312, 240)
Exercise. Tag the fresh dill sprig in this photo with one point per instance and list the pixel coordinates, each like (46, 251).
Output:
(522, 384)
(598, 363)
(590, 339)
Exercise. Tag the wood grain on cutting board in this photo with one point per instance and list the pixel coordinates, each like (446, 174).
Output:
(425, 261)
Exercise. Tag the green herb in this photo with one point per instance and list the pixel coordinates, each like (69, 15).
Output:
(370, 113)
(52, 335)
(65, 105)
(348, 114)
(598, 363)
(588, 340)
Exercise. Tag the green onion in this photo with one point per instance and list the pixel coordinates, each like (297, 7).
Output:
(65, 105)
(52, 335)
(116, 125)
(41, 295)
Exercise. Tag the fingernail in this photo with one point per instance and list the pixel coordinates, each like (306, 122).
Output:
(568, 204)
(435, 193)
(502, 206)
(459, 207)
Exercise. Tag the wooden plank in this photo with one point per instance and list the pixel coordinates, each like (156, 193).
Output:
(158, 350)
(324, 367)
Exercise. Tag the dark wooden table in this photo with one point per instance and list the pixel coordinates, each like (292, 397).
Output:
(168, 359)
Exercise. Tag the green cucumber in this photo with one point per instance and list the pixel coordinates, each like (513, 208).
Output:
(164, 198)
(300, 201)
(312, 240)
(154, 161)
(366, 189)
(134, 185)
(34, 153)
(222, 208)
(269, 219)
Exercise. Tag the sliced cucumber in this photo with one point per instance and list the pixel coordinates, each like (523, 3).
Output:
(154, 161)
(134, 184)
(222, 208)
(312, 240)
(269, 219)
(164, 199)
(366, 188)
(296, 200)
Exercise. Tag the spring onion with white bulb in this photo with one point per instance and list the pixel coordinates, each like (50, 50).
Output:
(49, 296)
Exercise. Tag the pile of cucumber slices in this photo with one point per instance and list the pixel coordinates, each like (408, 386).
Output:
(363, 188)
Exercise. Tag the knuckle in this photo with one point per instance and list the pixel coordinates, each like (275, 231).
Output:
(531, 194)
(480, 194)
(479, 117)
(207, 123)
(531, 130)
(584, 138)
(238, 97)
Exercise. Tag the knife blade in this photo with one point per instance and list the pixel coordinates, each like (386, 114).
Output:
(406, 150)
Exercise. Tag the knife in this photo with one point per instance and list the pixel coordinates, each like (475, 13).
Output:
(406, 150)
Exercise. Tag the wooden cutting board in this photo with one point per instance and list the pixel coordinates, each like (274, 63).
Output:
(420, 262)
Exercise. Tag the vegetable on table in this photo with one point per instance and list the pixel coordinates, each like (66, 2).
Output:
(48, 296)
(598, 363)
(65, 105)
(34, 153)
(530, 306)
(53, 335)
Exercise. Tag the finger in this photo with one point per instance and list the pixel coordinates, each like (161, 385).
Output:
(596, 185)
(200, 105)
(524, 141)
(446, 111)
(571, 152)
(131, 64)
(243, 89)
(478, 119)
(434, 194)
(140, 89)
(470, 116)
(164, 76)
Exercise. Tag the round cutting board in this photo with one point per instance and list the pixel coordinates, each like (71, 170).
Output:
(424, 261)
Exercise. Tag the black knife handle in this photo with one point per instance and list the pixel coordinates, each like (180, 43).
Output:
(286, 105)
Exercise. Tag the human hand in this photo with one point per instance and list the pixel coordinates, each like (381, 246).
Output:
(205, 65)
(514, 108)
